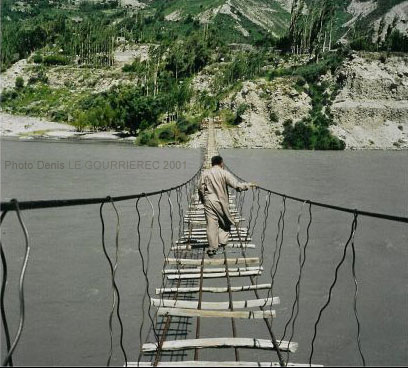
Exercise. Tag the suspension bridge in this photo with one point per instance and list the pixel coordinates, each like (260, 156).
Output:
(196, 290)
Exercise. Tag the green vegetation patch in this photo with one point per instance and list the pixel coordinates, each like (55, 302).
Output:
(40, 100)
(313, 132)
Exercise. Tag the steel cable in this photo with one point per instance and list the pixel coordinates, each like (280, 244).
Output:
(250, 215)
(115, 290)
(145, 268)
(21, 284)
(302, 261)
(55, 203)
(352, 232)
(3, 290)
(333, 207)
(278, 249)
(355, 297)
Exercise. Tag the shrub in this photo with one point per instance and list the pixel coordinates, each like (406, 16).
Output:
(300, 82)
(19, 82)
(55, 60)
(8, 95)
(228, 116)
(304, 135)
(136, 66)
(37, 58)
(148, 139)
(80, 121)
(273, 117)
(39, 77)
(240, 111)
(167, 134)
(59, 115)
(187, 126)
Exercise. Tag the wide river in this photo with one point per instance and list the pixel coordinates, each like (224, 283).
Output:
(68, 288)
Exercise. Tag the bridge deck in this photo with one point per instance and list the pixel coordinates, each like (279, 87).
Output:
(190, 264)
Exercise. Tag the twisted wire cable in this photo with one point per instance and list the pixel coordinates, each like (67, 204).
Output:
(263, 233)
(3, 290)
(257, 212)
(115, 290)
(17, 337)
(179, 195)
(162, 243)
(355, 297)
(300, 274)
(115, 284)
(352, 232)
(264, 226)
(278, 247)
(145, 268)
(300, 270)
(171, 221)
(250, 214)
(302, 261)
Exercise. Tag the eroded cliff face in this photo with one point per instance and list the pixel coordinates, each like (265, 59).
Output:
(371, 109)
(268, 105)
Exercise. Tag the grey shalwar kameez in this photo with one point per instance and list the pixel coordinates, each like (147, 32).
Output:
(213, 192)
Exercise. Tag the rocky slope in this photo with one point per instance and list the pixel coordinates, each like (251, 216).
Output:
(269, 104)
(371, 110)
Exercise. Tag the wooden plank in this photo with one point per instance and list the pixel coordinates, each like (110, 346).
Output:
(204, 231)
(201, 212)
(203, 244)
(189, 276)
(212, 262)
(237, 304)
(203, 222)
(205, 241)
(172, 271)
(221, 342)
(233, 237)
(211, 289)
(186, 312)
(202, 363)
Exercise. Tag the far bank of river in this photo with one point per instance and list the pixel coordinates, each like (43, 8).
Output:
(33, 128)
(29, 128)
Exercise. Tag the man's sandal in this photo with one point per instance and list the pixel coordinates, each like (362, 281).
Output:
(211, 253)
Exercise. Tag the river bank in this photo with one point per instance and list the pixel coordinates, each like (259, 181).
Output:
(34, 128)
(28, 128)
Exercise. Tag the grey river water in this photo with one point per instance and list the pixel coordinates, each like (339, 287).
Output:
(68, 289)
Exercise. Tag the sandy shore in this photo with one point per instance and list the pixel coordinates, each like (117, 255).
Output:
(25, 127)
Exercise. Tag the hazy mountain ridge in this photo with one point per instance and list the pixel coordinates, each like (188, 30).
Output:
(247, 16)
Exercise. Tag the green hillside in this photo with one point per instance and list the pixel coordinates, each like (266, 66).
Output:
(132, 66)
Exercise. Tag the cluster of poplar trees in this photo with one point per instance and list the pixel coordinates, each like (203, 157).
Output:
(91, 43)
(311, 26)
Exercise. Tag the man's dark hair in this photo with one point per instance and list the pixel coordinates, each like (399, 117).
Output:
(216, 160)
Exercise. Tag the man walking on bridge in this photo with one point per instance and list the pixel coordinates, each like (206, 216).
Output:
(213, 192)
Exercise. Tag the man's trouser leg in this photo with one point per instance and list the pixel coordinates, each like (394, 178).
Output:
(223, 235)
(212, 227)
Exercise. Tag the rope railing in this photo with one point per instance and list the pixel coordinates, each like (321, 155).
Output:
(382, 216)
(55, 203)
(289, 326)
(18, 207)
